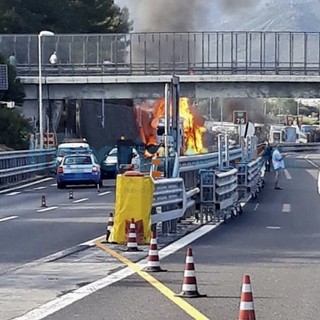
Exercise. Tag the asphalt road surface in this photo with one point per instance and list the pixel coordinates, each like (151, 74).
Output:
(29, 231)
(276, 241)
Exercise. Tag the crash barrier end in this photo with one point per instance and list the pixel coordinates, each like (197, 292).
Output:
(189, 285)
(246, 311)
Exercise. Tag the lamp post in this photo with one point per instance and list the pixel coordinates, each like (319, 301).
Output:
(40, 35)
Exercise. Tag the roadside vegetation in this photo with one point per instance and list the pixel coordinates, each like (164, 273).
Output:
(60, 16)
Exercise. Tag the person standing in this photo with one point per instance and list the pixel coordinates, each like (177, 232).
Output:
(267, 157)
(12, 60)
(278, 166)
(53, 59)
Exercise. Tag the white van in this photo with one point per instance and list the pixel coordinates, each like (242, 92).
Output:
(67, 148)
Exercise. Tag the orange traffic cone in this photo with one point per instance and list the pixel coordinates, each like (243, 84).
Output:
(246, 304)
(153, 257)
(43, 202)
(109, 226)
(189, 285)
(132, 238)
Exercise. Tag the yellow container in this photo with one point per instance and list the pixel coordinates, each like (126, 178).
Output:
(134, 195)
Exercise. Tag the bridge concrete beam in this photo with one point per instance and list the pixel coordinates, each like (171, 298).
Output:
(198, 86)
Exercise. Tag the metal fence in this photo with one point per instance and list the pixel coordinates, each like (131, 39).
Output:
(16, 166)
(167, 53)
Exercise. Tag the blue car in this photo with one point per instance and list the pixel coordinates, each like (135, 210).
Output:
(78, 169)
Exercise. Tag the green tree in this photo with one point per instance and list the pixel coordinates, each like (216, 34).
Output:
(14, 129)
(63, 16)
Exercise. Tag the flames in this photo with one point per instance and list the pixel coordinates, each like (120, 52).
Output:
(193, 128)
(192, 125)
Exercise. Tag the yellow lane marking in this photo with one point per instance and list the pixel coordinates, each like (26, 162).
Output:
(185, 306)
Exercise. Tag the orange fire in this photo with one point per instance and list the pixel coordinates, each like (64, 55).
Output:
(148, 119)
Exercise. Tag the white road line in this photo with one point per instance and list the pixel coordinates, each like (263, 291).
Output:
(287, 174)
(104, 193)
(8, 218)
(47, 209)
(286, 207)
(70, 298)
(273, 227)
(80, 200)
(25, 185)
(39, 188)
(256, 207)
(53, 185)
(311, 162)
(13, 193)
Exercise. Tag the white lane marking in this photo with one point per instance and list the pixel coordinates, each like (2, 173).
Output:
(273, 227)
(47, 209)
(13, 193)
(286, 207)
(311, 162)
(39, 188)
(53, 185)
(70, 298)
(256, 207)
(26, 185)
(80, 200)
(287, 174)
(8, 218)
(104, 193)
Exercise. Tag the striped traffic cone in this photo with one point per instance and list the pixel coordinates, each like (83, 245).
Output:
(189, 285)
(109, 226)
(132, 238)
(153, 257)
(43, 202)
(246, 304)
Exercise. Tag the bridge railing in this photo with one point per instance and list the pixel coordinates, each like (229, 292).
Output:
(223, 52)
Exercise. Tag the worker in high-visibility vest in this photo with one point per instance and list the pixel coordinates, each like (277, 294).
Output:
(161, 151)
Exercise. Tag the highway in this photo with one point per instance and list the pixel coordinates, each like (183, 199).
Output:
(29, 231)
(276, 241)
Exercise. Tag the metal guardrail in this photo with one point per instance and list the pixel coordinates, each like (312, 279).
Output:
(156, 53)
(16, 166)
(171, 200)
(300, 147)
(210, 160)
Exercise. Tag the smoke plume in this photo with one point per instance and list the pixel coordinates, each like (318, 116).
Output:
(235, 6)
(171, 15)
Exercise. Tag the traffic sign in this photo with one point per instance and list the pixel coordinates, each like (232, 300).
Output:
(3, 77)
(240, 117)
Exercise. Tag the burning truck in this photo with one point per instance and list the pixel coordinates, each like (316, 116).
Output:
(150, 119)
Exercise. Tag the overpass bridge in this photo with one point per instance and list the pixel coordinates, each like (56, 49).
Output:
(136, 65)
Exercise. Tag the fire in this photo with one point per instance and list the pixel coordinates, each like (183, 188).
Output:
(193, 129)
(148, 119)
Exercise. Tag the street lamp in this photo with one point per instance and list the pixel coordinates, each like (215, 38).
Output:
(41, 34)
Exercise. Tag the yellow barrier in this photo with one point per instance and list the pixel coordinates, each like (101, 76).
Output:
(134, 196)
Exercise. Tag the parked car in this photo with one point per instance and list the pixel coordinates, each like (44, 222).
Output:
(109, 165)
(78, 169)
